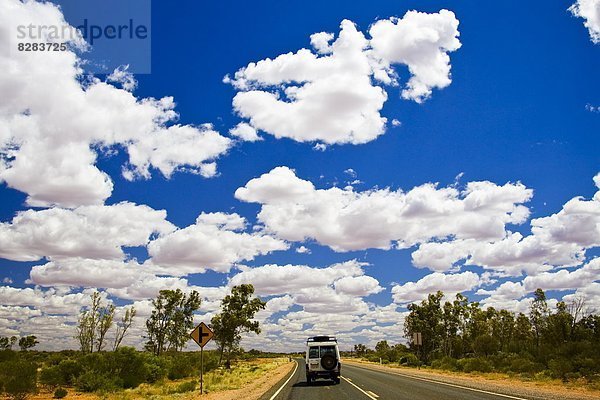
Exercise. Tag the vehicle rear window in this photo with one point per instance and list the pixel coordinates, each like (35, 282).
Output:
(320, 351)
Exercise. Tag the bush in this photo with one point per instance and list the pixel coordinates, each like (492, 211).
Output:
(60, 393)
(65, 373)
(446, 363)
(179, 370)
(372, 358)
(409, 359)
(124, 368)
(587, 367)
(475, 365)
(69, 371)
(524, 365)
(50, 376)
(560, 367)
(8, 355)
(129, 365)
(18, 378)
(94, 382)
(157, 368)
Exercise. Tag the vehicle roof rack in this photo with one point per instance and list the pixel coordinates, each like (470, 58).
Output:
(321, 339)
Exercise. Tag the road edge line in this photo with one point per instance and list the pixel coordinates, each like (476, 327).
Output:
(442, 383)
(365, 393)
(286, 382)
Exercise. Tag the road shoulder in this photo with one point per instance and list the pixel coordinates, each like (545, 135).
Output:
(280, 380)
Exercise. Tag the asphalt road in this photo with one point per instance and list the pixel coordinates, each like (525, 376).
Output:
(361, 383)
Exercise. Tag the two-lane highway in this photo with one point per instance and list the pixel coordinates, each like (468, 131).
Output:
(368, 384)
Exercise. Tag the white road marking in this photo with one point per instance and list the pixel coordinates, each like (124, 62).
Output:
(372, 396)
(446, 384)
(286, 382)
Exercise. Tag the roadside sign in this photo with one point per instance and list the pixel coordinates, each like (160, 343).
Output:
(202, 334)
(417, 339)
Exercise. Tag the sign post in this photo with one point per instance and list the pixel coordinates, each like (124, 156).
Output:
(418, 341)
(202, 335)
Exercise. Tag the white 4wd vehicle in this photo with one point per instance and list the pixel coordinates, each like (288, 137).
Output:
(322, 359)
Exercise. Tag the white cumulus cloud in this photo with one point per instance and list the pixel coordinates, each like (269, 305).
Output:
(98, 232)
(345, 220)
(590, 11)
(216, 242)
(52, 126)
(450, 284)
(333, 94)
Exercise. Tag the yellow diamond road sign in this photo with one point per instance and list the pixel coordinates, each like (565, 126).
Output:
(202, 334)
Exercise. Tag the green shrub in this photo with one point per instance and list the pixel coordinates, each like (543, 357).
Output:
(124, 368)
(446, 363)
(572, 376)
(559, 367)
(65, 373)
(18, 378)
(95, 382)
(408, 359)
(8, 355)
(524, 365)
(157, 368)
(60, 393)
(587, 367)
(129, 365)
(178, 370)
(69, 371)
(51, 376)
(475, 365)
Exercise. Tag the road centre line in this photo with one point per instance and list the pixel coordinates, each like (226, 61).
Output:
(365, 393)
(286, 382)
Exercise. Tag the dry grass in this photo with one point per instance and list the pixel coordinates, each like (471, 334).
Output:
(253, 378)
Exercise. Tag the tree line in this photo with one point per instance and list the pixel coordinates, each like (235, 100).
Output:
(460, 334)
(171, 320)
(25, 342)
(104, 365)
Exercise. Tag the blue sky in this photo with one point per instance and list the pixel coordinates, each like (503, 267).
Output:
(521, 113)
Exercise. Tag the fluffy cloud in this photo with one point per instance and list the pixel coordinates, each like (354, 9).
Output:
(421, 41)
(323, 293)
(125, 280)
(590, 11)
(51, 301)
(565, 279)
(357, 285)
(329, 95)
(450, 284)
(245, 132)
(81, 272)
(560, 239)
(283, 279)
(214, 242)
(52, 125)
(346, 220)
(97, 232)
